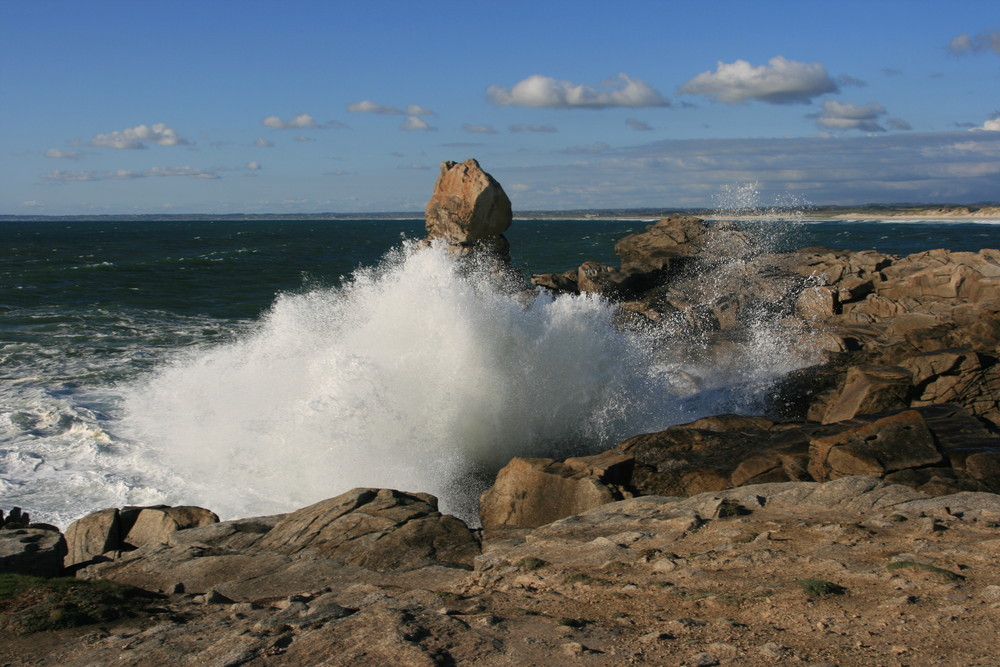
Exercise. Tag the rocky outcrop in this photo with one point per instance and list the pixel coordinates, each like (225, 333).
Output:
(354, 536)
(34, 549)
(37, 552)
(808, 573)
(468, 208)
(379, 529)
(938, 450)
(669, 239)
(102, 534)
(530, 492)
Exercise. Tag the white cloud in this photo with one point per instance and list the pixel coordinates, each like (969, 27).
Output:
(303, 138)
(61, 176)
(58, 154)
(412, 123)
(843, 116)
(253, 165)
(417, 110)
(190, 172)
(599, 147)
(984, 41)
(992, 125)
(123, 175)
(367, 106)
(31, 203)
(544, 91)
(638, 125)
(847, 80)
(263, 143)
(781, 81)
(478, 129)
(532, 128)
(303, 120)
(846, 169)
(135, 137)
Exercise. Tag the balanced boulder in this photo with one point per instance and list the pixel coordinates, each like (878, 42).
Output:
(468, 205)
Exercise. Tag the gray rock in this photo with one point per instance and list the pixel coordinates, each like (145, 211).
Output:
(378, 529)
(37, 552)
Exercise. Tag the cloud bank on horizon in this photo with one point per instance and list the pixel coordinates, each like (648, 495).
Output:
(347, 109)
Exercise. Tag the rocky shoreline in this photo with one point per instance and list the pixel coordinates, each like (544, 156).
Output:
(857, 522)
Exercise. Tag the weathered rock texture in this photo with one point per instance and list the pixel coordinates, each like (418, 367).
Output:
(468, 206)
(100, 535)
(530, 492)
(938, 449)
(374, 530)
(850, 572)
(36, 552)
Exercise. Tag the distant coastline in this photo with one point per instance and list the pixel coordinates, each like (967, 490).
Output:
(900, 212)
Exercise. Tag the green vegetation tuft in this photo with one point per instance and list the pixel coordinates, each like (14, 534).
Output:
(35, 604)
(819, 587)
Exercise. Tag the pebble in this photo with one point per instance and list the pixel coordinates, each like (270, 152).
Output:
(704, 660)
(772, 650)
(991, 592)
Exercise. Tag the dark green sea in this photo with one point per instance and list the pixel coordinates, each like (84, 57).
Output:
(255, 366)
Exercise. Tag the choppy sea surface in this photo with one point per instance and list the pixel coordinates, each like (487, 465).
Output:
(256, 367)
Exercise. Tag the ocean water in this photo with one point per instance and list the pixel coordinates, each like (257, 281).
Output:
(255, 367)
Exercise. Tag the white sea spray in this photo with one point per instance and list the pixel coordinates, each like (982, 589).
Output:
(416, 375)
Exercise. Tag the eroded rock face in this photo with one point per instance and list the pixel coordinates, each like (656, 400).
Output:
(668, 239)
(111, 530)
(884, 446)
(468, 205)
(155, 525)
(356, 536)
(93, 535)
(530, 492)
(379, 529)
(38, 552)
(937, 449)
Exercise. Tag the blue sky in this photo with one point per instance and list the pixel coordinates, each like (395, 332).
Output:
(223, 106)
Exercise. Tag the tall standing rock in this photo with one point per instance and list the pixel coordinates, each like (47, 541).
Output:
(468, 207)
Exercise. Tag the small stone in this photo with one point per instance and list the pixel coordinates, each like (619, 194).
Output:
(213, 596)
(665, 565)
(704, 660)
(653, 637)
(775, 650)
(723, 649)
(991, 592)
(902, 601)
(489, 620)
